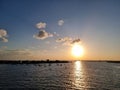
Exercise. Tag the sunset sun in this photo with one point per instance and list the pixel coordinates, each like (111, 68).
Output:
(77, 50)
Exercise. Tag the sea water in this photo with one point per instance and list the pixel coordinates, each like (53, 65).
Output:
(61, 76)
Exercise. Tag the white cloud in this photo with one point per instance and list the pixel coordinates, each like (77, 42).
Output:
(3, 35)
(3, 32)
(4, 39)
(42, 35)
(60, 22)
(41, 25)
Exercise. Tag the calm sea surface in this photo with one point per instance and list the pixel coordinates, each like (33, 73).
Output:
(61, 76)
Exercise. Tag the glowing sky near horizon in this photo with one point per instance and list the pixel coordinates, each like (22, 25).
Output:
(42, 29)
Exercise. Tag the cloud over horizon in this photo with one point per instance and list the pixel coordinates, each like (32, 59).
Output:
(3, 35)
(15, 54)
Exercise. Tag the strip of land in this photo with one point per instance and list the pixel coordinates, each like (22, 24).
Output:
(30, 62)
(48, 61)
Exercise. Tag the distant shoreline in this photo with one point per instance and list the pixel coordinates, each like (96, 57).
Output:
(46, 61)
(30, 62)
(113, 61)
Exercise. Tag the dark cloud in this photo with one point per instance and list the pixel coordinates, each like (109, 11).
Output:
(68, 41)
(42, 35)
(75, 41)
(65, 39)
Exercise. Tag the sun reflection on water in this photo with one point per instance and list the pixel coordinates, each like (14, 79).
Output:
(78, 74)
(78, 66)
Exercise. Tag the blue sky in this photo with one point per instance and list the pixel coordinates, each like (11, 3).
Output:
(95, 22)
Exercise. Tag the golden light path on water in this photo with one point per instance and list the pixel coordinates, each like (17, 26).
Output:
(78, 74)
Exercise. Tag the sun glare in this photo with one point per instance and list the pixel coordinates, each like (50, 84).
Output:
(77, 50)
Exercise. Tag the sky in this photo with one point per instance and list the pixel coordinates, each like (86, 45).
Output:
(47, 29)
